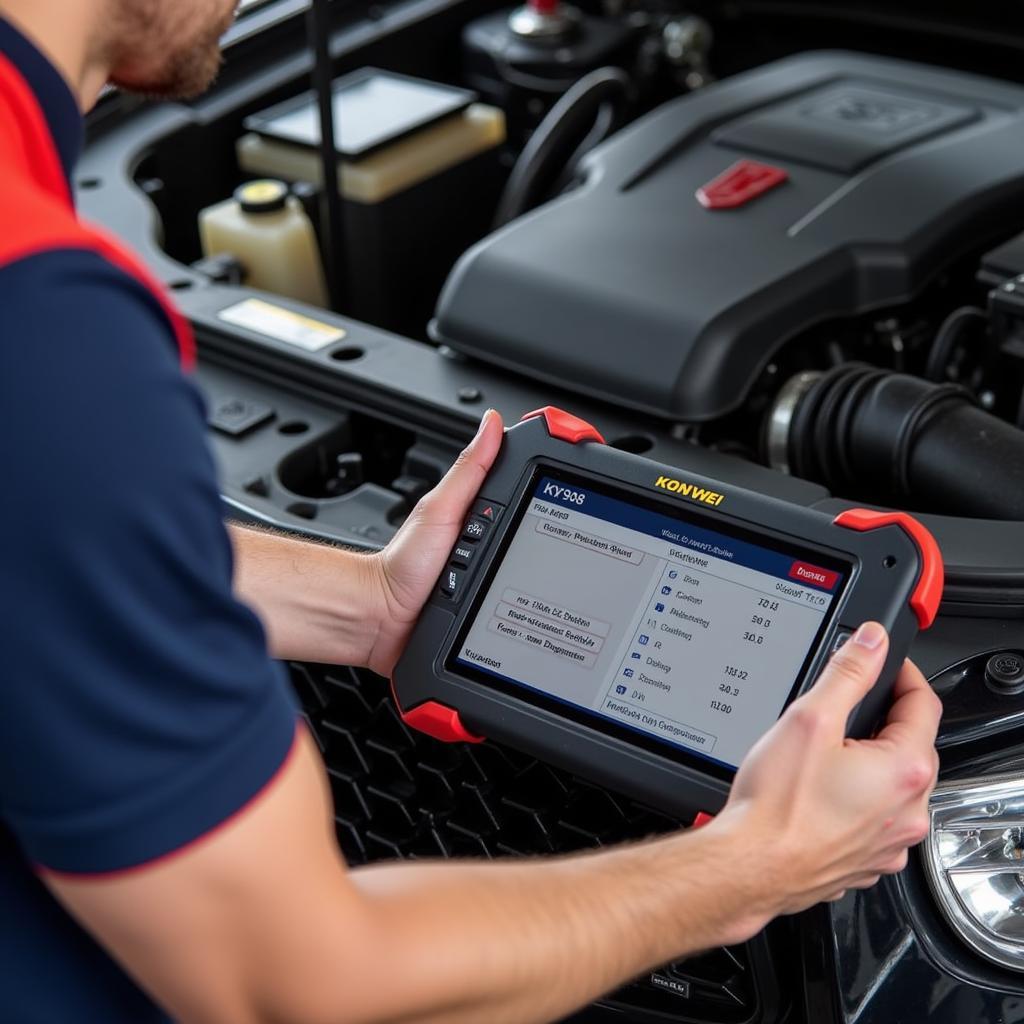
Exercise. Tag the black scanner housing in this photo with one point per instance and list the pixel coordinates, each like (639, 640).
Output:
(886, 565)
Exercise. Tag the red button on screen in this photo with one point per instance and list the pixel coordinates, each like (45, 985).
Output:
(813, 575)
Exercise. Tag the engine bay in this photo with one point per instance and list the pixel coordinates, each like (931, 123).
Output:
(634, 257)
(782, 244)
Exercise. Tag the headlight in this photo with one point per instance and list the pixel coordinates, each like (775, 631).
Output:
(975, 859)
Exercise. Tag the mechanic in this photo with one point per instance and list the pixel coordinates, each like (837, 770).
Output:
(166, 835)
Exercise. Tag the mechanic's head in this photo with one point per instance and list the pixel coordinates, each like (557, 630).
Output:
(167, 48)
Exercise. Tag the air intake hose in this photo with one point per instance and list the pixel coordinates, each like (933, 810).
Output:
(893, 439)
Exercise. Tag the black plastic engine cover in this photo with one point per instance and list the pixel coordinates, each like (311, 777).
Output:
(629, 289)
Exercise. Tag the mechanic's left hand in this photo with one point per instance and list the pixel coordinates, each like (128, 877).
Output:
(408, 568)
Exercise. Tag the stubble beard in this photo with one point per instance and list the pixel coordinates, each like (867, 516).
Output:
(186, 71)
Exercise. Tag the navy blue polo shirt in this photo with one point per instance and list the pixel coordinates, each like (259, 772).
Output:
(139, 706)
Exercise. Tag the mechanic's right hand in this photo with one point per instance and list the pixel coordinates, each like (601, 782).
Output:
(816, 813)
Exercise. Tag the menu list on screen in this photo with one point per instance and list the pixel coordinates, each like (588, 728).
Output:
(666, 627)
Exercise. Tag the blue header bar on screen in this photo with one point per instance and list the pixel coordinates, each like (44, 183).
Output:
(698, 540)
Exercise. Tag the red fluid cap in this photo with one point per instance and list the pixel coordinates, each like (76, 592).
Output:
(545, 7)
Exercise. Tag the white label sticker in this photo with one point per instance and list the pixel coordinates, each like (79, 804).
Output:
(282, 324)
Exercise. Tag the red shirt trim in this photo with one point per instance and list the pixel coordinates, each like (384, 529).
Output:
(36, 210)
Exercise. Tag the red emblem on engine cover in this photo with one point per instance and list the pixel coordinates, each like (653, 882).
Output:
(745, 180)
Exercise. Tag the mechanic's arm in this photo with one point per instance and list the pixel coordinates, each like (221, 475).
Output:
(262, 922)
(327, 604)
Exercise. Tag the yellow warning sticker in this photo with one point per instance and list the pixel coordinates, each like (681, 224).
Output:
(282, 324)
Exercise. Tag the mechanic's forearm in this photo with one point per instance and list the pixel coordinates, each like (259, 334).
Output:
(531, 941)
(317, 602)
(262, 923)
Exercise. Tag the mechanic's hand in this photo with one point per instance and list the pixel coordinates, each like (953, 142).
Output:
(815, 813)
(408, 568)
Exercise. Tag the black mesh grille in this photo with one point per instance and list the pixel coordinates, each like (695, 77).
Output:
(398, 793)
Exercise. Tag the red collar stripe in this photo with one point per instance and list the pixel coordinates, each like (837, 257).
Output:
(36, 209)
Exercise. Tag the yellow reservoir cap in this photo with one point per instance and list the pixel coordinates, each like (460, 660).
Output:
(265, 196)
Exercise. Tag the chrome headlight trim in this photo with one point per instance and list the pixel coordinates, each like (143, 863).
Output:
(974, 858)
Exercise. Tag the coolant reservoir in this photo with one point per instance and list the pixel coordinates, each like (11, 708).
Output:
(267, 230)
(420, 173)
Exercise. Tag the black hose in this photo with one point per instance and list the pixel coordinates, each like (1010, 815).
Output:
(947, 338)
(898, 440)
(597, 99)
(607, 121)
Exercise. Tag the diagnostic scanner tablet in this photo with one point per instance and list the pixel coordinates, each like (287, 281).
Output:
(643, 626)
